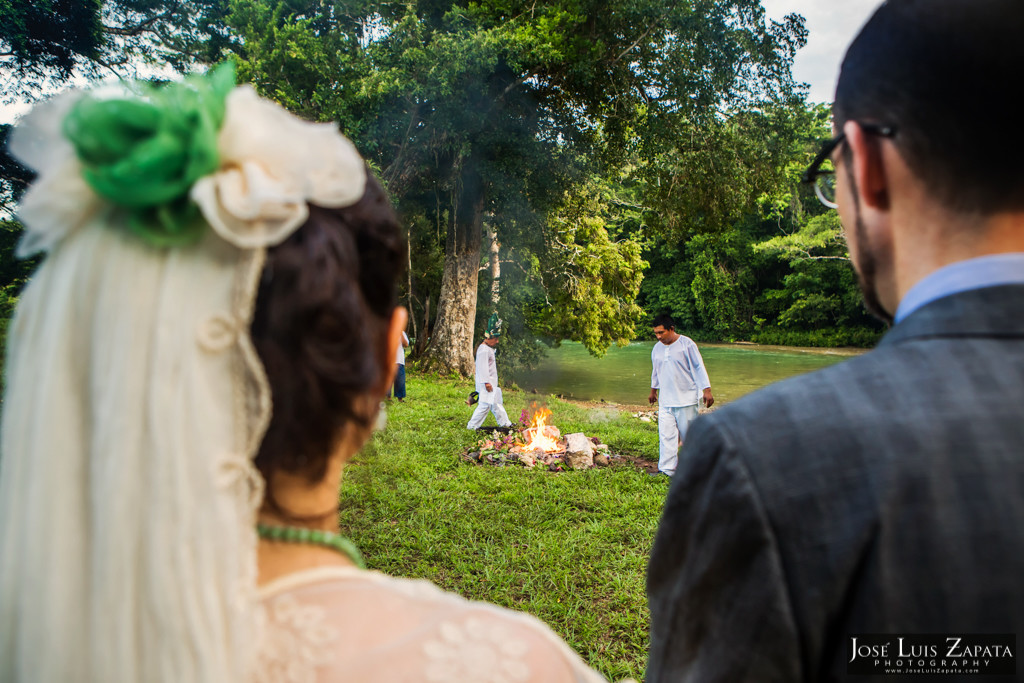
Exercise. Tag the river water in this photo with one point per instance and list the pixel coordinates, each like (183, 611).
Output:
(623, 375)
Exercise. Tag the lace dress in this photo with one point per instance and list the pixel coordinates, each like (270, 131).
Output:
(341, 624)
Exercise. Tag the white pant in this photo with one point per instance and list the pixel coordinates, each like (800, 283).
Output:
(672, 424)
(489, 401)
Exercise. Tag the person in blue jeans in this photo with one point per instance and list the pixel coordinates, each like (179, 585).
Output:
(399, 385)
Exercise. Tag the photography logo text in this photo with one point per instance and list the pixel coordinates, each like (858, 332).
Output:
(949, 653)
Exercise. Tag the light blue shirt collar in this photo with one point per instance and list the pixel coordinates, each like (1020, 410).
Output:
(984, 271)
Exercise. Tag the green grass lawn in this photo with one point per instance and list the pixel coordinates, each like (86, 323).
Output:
(570, 548)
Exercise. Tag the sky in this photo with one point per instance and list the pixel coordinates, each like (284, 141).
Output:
(10, 112)
(832, 25)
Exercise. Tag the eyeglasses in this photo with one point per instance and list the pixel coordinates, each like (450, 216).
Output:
(822, 171)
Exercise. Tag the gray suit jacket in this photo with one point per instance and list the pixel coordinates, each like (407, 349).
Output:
(883, 495)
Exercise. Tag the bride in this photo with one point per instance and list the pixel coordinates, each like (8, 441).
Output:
(203, 348)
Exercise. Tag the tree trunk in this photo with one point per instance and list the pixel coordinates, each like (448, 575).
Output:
(408, 273)
(421, 341)
(451, 344)
(495, 253)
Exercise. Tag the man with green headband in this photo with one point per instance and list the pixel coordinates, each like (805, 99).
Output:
(487, 379)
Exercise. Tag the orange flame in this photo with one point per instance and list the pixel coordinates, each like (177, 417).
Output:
(540, 435)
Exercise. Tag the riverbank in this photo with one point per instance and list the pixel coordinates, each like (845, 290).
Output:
(570, 548)
(623, 375)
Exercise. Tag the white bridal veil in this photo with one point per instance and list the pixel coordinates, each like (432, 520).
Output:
(134, 406)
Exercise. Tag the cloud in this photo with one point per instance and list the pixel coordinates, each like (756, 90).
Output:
(831, 25)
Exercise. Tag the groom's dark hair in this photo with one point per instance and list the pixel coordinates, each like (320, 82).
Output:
(944, 73)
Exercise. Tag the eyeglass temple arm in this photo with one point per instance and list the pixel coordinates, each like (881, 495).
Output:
(812, 171)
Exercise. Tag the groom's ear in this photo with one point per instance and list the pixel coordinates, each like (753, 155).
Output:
(868, 166)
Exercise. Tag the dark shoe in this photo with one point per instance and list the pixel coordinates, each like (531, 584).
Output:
(503, 430)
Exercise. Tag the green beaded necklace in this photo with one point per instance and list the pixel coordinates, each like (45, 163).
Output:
(327, 539)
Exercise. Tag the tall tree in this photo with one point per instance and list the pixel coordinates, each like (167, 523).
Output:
(492, 108)
(471, 108)
(45, 43)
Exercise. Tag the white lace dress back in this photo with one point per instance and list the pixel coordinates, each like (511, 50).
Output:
(335, 624)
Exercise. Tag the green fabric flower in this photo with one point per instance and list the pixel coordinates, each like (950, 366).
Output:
(493, 327)
(144, 154)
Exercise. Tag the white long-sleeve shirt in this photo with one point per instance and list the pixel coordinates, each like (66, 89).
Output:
(486, 366)
(678, 373)
(400, 354)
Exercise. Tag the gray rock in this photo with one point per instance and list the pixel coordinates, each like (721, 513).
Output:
(579, 451)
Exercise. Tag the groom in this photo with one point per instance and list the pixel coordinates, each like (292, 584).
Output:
(882, 497)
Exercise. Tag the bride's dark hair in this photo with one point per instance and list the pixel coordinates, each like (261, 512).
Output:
(320, 327)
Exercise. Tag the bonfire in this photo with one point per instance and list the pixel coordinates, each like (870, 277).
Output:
(535, 442)
(541, 436)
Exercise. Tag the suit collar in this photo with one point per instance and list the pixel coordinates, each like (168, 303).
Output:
(987, 312)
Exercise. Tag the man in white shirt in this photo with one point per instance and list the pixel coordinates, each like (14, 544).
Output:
(487, 379)
(399, 385)
(678, 380)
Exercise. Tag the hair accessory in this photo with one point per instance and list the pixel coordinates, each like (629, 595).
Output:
(144, 154)
(493, 327)
(177, 158)
(135, 400)
(327, 539)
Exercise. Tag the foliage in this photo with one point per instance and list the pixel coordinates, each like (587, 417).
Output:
(50, 34)
(575, 277)
(713, 175)
(493, 111)
(14, 275)
(717, 273)
(776, 272)
(14, 178)
(46, 43)
(863, 337)
(570, 548)
(634, 157)
(592, 270)
(821, 237)
(705, 284)
(728, 286)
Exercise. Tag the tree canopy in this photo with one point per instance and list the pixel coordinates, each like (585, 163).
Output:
(45, 43)
(624, 157)
(496, 110)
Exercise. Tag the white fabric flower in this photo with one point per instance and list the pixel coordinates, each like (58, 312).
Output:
(60, 200)
(271, 164)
